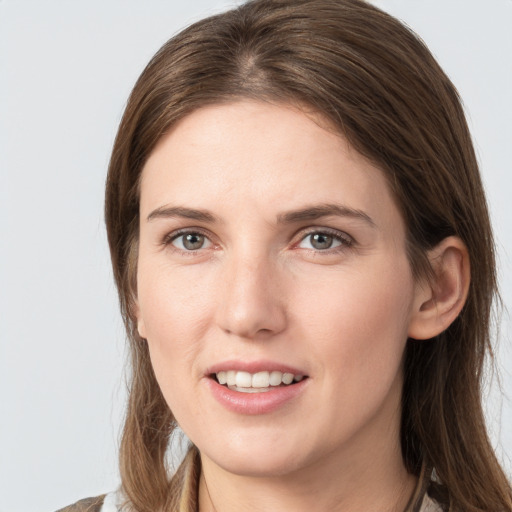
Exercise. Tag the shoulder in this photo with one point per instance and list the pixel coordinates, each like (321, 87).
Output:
(436, 499)
(86, 505)
(430, 495)
(430, 505)
(111, 502)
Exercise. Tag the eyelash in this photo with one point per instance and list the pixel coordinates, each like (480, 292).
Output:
(175, 235)
(345, 241)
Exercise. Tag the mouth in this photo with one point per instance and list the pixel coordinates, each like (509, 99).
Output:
(256, 387)
(260, 382)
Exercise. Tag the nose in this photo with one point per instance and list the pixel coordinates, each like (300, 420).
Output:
(251, 303)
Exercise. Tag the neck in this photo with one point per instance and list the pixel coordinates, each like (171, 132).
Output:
(359, 478)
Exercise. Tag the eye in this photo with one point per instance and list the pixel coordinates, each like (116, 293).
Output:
(190, 241)
(322, 241)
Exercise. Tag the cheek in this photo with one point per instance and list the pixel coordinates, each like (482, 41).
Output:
(175, 307)
(173, 300)
(358, 322)
(357, 327)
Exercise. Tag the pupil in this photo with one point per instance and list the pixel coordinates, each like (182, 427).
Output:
(321, 241)
(193, 241)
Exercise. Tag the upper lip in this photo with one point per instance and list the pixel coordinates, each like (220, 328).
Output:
(253, 367)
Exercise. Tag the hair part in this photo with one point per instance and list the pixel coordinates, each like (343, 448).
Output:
(378, 85)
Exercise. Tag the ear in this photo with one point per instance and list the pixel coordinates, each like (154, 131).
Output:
(439, 300)
(141, 327)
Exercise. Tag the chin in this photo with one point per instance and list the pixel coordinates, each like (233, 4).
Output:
(258, 467)
(259, 459)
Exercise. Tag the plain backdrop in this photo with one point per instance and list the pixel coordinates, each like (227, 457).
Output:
(66, 69)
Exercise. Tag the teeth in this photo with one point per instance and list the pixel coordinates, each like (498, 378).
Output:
(231, 378)
(249, 390)
(261, 380)
(243, 380)
(287, 378)
(276, 378)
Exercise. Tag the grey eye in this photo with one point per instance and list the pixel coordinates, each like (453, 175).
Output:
(191, 242)
(321, 241)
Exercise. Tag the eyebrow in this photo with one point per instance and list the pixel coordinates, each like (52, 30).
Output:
(168, 212)
(324, 210)
(291, 217)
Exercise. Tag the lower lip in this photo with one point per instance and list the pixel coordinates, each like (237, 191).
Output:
(255, 403)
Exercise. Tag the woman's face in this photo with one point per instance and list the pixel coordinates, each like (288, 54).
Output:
(271, 250)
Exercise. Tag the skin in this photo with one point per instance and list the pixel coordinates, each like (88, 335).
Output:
(259, 289)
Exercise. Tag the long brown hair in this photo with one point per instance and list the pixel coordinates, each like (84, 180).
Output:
(379, 86)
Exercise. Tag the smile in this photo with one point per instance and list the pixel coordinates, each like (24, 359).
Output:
(256, 387)
(259, 382)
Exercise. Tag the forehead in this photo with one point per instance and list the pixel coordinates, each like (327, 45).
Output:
(262, 156)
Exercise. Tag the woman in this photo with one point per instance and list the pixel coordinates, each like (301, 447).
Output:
(305, 266)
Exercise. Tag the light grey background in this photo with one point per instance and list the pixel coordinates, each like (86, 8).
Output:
(66, 69)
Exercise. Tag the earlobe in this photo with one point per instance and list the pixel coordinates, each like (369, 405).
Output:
(439, 300)
(141, 328)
